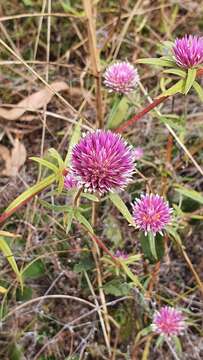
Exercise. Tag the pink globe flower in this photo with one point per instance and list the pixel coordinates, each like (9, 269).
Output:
(138, 153)
(188, 51)
(151, 213)
(168, 322)
(70, 182)
(121, 77)
(102, 161)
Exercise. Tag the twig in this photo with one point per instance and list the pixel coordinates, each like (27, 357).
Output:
(140, 115)
(196, 276)
(151, 106)
(38, 77)
(106, 337)
(94, 54)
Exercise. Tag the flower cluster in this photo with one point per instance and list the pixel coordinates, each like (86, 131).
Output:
(168, 322)
(102, 161)
(121, 77)
(151, 213)
(188, 51)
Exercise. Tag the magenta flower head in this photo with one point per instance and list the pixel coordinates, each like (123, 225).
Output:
(188, 51)
(168, 322)
(151, 213)
(121, 77)
(70, 182)
(102, 161)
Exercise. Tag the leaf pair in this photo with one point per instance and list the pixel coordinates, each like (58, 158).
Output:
(4, 247)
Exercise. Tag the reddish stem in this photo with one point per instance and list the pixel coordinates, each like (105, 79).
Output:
(138, 116)
(7, 214)
(103, 247)
(148, 108)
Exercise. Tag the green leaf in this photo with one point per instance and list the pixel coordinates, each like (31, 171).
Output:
(191, 75)
(144, 332)
(31, 192)
(33, 270)
(157, 62)
(82, 220)
(176, 125)
(170, 230)
(73, 141)
(56, 208)
(177, 88)
(118, 113)
(45, 163)
(131, 276)
(198, 90)
(178, 345)
(117, 287)
(89, 197)
(153, 249)
(118, 202)
(160, 341)
(85, 263)
(9, 255)
(55, 155)
(175, 71)
(152, 245)
(24, 295)
(70, 217)
(192, 194)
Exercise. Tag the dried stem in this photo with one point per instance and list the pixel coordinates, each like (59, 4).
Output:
(96, 256)
(90, 11)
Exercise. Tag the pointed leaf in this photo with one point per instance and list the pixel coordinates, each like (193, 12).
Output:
(45, 163)
(175, 71)
(191, 75)
(118, 113)
(31, 192)
(157, 62)
(89, 197)
(56, 208)
(192, 194)
(152, 245)
(70, 217)
(8, 254)
(152, 251)
(118, 202)
(82, 220)
(56, 156)
(174, 234)
(131, 276)
(198, 90)
(177, 88)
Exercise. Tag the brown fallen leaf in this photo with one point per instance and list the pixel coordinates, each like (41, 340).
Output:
(14, 159)
(33, 102)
